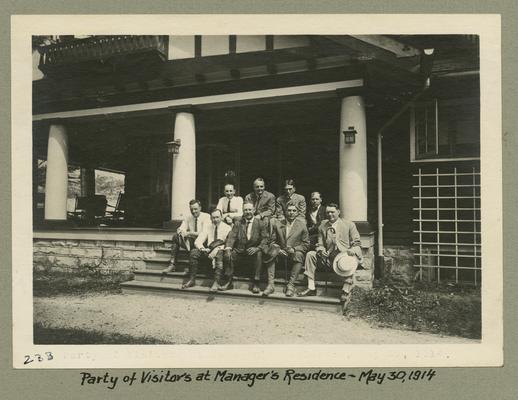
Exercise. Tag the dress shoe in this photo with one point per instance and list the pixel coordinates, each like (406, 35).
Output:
(255, 289)
(170, 268)
(290, 291)
(227, 286)
(307, 292)
(269, 290)
(214, 287)
(189, 283)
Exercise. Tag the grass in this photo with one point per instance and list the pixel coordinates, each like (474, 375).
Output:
(450, 310)
(49, 335)
(78, 281)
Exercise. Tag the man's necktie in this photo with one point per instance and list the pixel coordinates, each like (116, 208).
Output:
(228, 206)
(195, 224)
(216, 232)
(247, 225)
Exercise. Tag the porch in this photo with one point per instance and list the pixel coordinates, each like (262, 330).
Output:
(299, 137)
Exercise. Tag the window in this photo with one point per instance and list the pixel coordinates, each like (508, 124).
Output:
(109, 184)
(443, 128)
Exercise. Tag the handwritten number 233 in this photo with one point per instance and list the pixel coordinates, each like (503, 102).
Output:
(38, 357)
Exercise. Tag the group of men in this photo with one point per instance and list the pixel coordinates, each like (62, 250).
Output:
(261, 230)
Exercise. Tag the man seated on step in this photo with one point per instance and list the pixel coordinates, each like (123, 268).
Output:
(288, 196)
(192, 225)
(230, 205)
(209, 245)
(291, 242)
(262, 200)
(245, 245)
(338, 248)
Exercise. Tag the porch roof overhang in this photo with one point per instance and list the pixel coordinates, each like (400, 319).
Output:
(267, 96)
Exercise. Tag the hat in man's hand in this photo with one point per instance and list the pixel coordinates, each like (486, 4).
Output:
(344, 264)
(215, 243)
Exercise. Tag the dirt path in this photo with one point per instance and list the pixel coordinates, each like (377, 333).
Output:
(197, 321)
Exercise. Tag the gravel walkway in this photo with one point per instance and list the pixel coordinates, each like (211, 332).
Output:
(196, 321)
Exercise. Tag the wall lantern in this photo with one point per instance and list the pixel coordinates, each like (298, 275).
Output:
(173, 147)
(350, 135)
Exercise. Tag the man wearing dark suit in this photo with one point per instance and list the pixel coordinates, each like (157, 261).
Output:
(335, 236)
(246, 243)
(292, 241)
(263, 201)
(290, 196)
(315, 214)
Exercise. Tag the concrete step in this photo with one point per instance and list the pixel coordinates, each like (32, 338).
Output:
(205, 280)
(326, 303)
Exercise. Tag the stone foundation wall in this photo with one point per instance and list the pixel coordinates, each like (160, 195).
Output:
(127, 256)
(105, 254)
(364, 277)
(399, 263)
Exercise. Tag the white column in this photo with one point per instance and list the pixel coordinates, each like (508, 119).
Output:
(353, 161)
(56, 183)
(184, 166)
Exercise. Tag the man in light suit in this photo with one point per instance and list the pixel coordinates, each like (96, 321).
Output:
(192, 225)
(336, 237)
(316, 213)
(209, 245)
(230, 205)
(291, 243)
(245, 244)
(290, 196)
(262, 200)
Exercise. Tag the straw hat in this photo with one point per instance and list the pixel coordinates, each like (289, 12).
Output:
(344, 264)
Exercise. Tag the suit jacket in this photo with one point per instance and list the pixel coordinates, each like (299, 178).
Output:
(237, 239)
(345, 237)
(265, 206)
(298, 237)
(282, 201)
(321, 215)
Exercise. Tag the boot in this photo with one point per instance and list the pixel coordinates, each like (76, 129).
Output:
(190, 283)
(271, 279)
(170, 268)
(255, 287)
(227, 286)
(290, 287)
(290, 290)
(217, 278)
(192, 280)
(269, 289)
(214, 287)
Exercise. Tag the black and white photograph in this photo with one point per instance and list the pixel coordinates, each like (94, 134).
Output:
(260, 188)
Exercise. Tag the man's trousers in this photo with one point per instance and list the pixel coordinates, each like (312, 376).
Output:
(196, 256)
(239, 257)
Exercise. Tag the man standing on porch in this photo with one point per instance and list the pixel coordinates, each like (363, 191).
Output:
(338, 248)
(290, 196)
(230, 205)
(245, 245)
(186, 234)
(209, 245)
(315, 215)
(262, 200)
